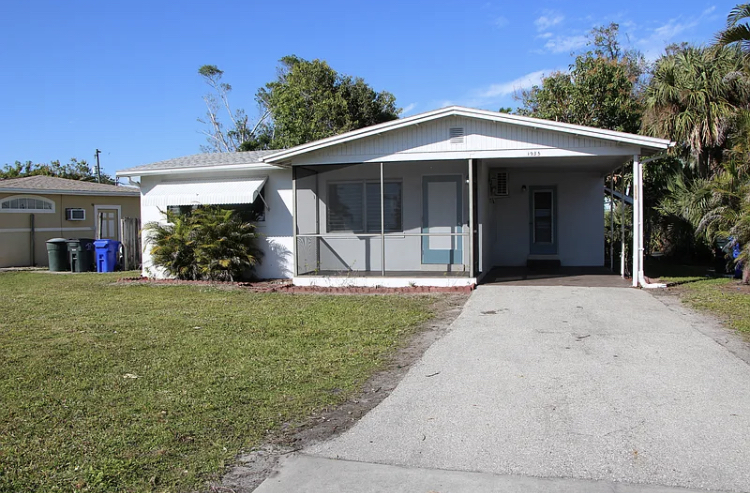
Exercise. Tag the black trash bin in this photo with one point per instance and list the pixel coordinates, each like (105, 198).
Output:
(82, 254)
(57, 254)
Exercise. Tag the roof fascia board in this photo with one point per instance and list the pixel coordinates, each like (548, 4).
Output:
(626, 152)
(649, 142)
(133, 193)
(196, 169)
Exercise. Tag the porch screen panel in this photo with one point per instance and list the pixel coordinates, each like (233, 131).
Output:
(392, 207)
(346, 207)
(442, 200)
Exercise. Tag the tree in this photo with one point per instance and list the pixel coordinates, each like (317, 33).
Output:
(599, 90)
(209, 243)
(222, 138)
(693, 98)
(737, 32)
(74, 170)
(311, 101)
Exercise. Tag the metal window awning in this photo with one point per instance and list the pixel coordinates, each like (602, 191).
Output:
(207, 192)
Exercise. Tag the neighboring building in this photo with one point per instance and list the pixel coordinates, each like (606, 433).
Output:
(437, 198)
(34, 209)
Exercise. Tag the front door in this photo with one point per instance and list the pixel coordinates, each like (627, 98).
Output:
(442, 213)
(106, 224)
(543, 231)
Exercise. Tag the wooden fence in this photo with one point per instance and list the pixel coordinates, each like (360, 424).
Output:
(130, 234)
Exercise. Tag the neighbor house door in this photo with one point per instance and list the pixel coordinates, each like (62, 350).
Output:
(107, 223)
(442, 213)
(543, 227)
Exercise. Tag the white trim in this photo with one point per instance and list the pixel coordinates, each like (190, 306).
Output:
(96, 219)
(639, 140)
(42, 230)
(382, 282)
(538, 153)
(196, 169)
(27, 211)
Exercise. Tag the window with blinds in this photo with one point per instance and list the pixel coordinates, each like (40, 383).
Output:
(355, 207)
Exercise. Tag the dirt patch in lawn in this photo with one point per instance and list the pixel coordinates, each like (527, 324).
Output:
(253, 467)
(713, 323)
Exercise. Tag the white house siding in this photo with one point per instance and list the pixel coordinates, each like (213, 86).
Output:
(580, 218)
(277, 228)
(403, 253)
(500, 139)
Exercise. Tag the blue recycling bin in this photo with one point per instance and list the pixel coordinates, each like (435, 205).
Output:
(106, 255)
(738, 265)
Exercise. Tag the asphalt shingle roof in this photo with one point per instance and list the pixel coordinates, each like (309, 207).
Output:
(51, 184)
(204, 160)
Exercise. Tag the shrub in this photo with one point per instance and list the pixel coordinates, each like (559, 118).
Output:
(208, 243)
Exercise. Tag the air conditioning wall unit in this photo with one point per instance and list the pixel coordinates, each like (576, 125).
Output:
(498, 183)
(75, 214)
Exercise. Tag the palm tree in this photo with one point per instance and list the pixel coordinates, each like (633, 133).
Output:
(228, 245)
(725, 201)
(174, 243)
(737, 32)
(208, 243)
(693, 98)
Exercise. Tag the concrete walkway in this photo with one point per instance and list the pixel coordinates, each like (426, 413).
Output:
(596, 389)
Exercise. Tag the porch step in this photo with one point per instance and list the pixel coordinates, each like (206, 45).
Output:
(539, 263)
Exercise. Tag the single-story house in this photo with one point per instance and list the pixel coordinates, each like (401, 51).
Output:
(35, 209)
(437, 198)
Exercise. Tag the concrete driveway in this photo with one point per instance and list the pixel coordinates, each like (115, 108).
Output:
(594, 389)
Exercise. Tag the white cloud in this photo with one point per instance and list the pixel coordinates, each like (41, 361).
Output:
(503, 89)
(565, 44)
(501, 22)
(548, 19)
(408, 108)
(545, 35)
(671, 29)
(653, 41)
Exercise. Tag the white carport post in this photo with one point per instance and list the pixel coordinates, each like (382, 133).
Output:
(295, 272)
(382, 221)
(637, 221)
(622, 222)
(612, 221)
(471, 219)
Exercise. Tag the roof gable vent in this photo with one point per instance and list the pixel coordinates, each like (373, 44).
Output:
(456, 135)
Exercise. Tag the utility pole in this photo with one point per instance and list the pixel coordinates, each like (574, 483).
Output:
(98, 168)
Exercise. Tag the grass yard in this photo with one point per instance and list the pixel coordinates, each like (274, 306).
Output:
(726, 298)
(117, 387)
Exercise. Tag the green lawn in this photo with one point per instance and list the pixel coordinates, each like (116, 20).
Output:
(725, 298)
(119, 387)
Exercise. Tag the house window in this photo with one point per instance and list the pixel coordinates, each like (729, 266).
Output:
(355, 207)
(20, 203)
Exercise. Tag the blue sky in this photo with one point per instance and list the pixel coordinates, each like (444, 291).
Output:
(122, 76)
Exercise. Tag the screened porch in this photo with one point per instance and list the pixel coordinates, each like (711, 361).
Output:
(401, 220)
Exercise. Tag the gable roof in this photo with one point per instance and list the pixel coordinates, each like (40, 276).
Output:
(214, 160)
(651, 143)
(53, 184)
